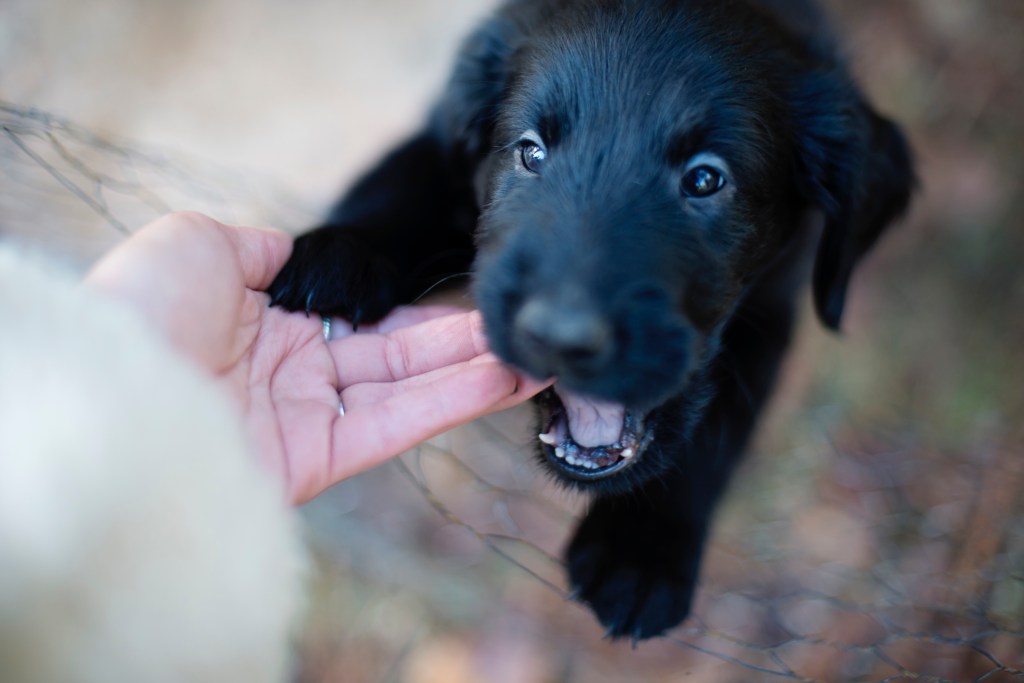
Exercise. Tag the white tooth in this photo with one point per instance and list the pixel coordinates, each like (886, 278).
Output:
(628, 453)
(548, 439)
(572, 461)
(560, 452)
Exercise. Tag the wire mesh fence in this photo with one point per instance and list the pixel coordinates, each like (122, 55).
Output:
(841, 564)
(876, 532)
(79, 192)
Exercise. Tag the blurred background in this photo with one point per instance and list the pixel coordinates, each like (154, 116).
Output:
(876, 532)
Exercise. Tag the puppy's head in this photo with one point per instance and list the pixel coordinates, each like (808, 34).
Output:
(640, 166)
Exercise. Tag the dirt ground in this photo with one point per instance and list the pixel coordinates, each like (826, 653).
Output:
(876, 532)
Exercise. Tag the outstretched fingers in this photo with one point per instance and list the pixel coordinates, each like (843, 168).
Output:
(371, 431)
(408, 351)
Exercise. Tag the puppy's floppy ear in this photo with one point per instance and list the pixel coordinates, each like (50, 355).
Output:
(465, 116)
(856, 167)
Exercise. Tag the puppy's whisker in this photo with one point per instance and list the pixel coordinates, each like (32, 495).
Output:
(440, 282)
(755, 323)
(732, 367)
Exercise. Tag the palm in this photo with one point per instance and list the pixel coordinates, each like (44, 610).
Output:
(288, 386)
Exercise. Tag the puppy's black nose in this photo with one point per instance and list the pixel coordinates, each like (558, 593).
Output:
(563, 337)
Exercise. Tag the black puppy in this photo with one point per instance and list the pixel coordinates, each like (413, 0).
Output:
(635, 184)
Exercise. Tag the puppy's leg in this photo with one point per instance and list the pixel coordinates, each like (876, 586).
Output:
(404, 227)
(636, 557)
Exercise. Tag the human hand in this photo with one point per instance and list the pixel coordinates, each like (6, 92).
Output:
(417, 373)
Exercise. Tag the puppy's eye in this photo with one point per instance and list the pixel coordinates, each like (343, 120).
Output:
(532, 155)
(702, 181)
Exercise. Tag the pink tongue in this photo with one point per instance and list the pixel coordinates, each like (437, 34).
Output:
(592, 423)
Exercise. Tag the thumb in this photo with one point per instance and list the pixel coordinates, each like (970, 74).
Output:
(262, 252)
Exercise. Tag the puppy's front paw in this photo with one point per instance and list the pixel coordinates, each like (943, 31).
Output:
(335, 271)
(636, 572)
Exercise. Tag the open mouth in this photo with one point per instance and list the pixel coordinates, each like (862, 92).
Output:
(586, 439)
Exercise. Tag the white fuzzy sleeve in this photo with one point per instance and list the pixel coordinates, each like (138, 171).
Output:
(139, 540)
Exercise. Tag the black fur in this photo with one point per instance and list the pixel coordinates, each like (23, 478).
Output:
(679, 307)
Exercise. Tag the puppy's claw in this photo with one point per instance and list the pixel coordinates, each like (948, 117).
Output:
(309, 301)
(636, 637)
(278, 294)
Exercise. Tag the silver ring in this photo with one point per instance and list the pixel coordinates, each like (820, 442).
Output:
(327, 327)
(341, 407)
